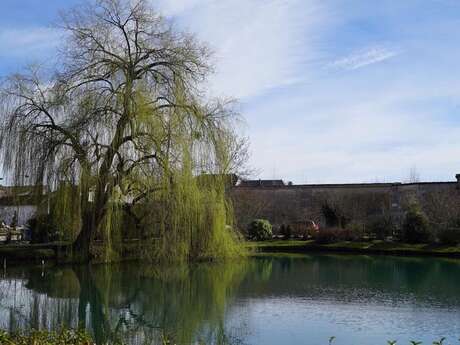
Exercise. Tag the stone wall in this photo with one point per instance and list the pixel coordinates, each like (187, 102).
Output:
(290, 204)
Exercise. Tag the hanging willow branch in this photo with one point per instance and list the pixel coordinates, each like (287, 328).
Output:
(124, 121)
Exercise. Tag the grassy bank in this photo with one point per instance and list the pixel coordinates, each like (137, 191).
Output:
(71, 337)
(59, 252)
(56, 251)
(372, 247)
(31, 252)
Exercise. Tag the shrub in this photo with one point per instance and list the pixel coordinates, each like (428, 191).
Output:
(260, 230)
(286, 231)
(334, 216)
(331, 235)
(355, 232)
(327, 235)
(415, 226)
(64, 337)
(381, 227)
(449, 235)
(43, 229)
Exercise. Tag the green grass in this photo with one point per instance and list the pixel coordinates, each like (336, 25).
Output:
(276, 243)
(372, 247)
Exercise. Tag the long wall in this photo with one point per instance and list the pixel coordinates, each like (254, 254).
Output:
(288, 204)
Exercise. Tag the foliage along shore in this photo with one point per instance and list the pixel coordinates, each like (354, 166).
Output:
(55, 251)
(58, 252)
(73, 337)
(371, 247)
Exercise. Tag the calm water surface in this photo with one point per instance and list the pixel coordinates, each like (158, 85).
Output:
(262, 301)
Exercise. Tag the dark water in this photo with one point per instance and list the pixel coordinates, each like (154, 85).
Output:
(262, 301)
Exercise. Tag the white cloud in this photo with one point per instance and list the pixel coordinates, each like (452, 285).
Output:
(309, 124)
(306, 122)
(258, 44)
(365, 57)
(177, 7)
(28, 42)
(362, 135)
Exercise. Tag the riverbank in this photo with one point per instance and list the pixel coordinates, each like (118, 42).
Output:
(55, 252)
(372, 247)
(59, 252)
(32, 252)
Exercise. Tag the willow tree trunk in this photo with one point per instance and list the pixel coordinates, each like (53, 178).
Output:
(92, 221)
(93, 213)
(81, 246)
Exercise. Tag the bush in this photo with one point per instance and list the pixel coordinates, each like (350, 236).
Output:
(381, 227)
(260, 230)
(286, 231)
(43, 229)
(449, 236)
(355, 232)
(328, 235)
(334, 216)
(331, 235)
(64, 337)
(416, 227)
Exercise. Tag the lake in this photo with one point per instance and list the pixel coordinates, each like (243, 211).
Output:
(282, 299)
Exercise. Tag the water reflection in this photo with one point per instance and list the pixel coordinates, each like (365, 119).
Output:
(226, 303)
(124, 302)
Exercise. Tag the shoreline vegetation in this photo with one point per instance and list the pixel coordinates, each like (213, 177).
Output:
(376, 247)
(55, 252)
(80, 337)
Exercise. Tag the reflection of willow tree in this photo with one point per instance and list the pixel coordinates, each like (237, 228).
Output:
(195, 309)
(186, 304)
(125, 125)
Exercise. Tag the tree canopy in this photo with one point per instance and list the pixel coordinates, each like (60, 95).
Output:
(122, 128)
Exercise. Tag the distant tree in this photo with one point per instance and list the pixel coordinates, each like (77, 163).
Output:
(416, 226)
(334, 215)
(414, 175)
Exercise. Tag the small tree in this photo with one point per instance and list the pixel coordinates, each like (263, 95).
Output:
(334, 215)
(449, 236)
(416, 226)
(260, 230)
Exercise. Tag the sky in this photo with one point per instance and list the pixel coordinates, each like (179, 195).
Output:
(331, 91)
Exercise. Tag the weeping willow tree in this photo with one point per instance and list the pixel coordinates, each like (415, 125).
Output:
(125, 120)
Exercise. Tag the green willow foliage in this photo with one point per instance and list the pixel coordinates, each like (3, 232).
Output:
(122, 134)
(196, 218)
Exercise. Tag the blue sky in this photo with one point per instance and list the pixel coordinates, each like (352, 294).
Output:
(331, 90)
